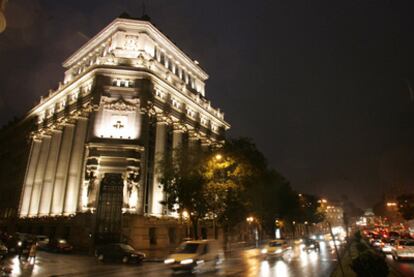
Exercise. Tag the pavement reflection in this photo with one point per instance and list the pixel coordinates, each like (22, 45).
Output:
(246, 263)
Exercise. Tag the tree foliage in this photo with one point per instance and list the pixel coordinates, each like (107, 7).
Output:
(228, 184)
(406, 205)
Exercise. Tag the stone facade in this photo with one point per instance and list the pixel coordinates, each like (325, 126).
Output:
(129, 96)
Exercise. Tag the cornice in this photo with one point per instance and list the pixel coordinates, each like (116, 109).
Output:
(122, 24)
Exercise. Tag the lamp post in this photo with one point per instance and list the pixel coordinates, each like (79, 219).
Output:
(186, 216)
(251, 220)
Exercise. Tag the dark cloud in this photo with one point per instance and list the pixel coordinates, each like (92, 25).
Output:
(320, 85)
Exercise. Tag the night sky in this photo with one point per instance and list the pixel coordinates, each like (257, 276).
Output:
(323, 87)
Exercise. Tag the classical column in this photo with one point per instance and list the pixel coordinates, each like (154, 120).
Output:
(75, 168)
(39, 176)
(157, 190)
(47, 190)
(177, 137)
(62, 170)
(193, 141)
(29, 179)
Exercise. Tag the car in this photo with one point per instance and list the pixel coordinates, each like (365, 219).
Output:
(59, 245)
(387, 245)
(276, 248)
(119, 252)
(3, 250)
(403, 249)
(42, 241)
(310, 245)
(196, 256)
(376, 243)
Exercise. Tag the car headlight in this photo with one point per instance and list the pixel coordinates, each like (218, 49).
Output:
(187, 261)
(134, 255)
(169, 261)
(278, 251)
(312, 246)
(19, 243)
(264, 251)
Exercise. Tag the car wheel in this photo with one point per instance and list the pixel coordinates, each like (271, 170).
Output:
(125, 259)
(101, 257)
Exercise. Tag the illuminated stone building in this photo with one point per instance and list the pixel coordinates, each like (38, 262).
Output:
(129, 96)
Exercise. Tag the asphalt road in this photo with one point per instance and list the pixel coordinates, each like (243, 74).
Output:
(404, 268)
(248, 263)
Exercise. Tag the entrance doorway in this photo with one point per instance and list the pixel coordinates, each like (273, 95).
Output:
(109, 212)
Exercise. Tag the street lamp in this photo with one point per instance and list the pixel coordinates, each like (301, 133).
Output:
(218, 157)
(251, 220)
(186, 216)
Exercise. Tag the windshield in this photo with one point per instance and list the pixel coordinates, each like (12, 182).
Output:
(188, 248)
(126, 247)
(275, 244)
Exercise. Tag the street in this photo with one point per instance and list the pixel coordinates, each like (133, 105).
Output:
(247, 262)
(405, 268)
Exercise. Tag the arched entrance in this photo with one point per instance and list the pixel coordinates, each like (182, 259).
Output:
(109, 212)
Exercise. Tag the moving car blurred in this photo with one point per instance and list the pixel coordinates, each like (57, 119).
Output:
(276, 248)
(403, 249)
(387, 245)
(118, 252)
(196, 256)
(310, 245)
(59, 246)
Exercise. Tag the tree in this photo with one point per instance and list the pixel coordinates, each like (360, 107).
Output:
(310, 209)
(406, 205)
(183, 182)
(231, 172)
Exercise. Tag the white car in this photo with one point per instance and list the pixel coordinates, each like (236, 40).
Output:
(276, 248)
(196, 256)
(403, 249)
(387, 245)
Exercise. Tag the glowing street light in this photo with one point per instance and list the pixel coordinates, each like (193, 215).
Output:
(218, 157)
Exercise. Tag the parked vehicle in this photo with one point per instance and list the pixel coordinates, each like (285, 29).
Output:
(119, 252)
(403, 249)
(42, 241)
(276, 248)
(196, 256)
(59, 246)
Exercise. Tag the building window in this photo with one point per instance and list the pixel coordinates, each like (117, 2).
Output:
(152, 233)
(172, 235)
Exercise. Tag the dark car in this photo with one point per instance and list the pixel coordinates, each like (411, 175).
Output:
(118, 252)
(311, 245)
(59, 246)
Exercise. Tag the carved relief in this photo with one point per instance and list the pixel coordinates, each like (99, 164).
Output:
(120, 104)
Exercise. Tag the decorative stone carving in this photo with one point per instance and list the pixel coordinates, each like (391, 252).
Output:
(120, 104)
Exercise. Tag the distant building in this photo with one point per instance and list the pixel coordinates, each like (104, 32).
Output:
(129, 96)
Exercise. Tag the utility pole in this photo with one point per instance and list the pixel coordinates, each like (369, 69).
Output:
(336, 249)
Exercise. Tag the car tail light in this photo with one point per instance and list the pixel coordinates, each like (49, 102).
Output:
(400, 247)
